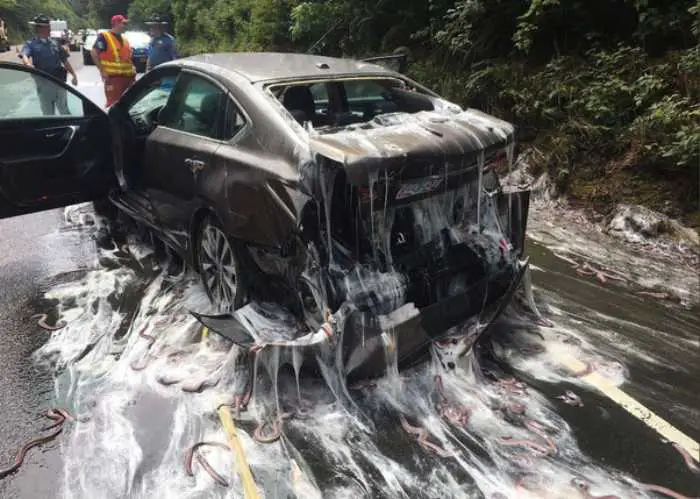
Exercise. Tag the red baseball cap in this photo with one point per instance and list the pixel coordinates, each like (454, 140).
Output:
(119, 19)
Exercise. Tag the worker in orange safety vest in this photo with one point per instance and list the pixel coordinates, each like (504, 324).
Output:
(112, 56)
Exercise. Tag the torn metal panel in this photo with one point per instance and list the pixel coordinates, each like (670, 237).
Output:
(392, 140)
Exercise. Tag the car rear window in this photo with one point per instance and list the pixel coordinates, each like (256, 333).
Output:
(342, 102)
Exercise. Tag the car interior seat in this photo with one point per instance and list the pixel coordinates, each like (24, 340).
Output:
(376, 108)
(299, 101)
(208, 114)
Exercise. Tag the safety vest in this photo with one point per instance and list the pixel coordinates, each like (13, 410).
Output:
(116, 60)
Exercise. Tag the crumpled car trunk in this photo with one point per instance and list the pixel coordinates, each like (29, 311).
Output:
(415, 231)
(422, 140)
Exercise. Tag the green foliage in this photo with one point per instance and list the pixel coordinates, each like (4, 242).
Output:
(580, 113)
(99, 12)
(476, 29)
(223, 25)
(18, 13)
(140, 10)
(669, 131)
(695, 12)
(596, 87)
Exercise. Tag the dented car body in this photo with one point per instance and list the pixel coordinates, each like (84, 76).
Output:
(337, 199)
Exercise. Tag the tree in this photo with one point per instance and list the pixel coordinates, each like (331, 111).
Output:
(141, 10)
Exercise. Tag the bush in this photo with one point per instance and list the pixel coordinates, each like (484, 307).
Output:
(582, 115)
(669, 133)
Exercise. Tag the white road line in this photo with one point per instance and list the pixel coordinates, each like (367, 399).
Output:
(638, 410)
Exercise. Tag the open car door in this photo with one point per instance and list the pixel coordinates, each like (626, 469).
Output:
(392, 62)
(55, 144)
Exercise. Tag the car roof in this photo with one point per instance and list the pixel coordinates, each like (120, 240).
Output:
(265, 66)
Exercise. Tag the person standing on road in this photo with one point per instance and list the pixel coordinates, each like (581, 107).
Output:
(112, 56)
(162, 47)
(48, 56)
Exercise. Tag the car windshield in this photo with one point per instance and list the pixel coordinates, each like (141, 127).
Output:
(155, 97)
(341, 102)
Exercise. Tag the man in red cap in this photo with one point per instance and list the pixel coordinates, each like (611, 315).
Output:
(112, 56)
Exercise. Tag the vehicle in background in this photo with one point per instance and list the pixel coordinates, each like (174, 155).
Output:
(88, 43)
(342, 192)
(59, 31)
(76, 41)
(59, 25)
(138, 41)
(4, 40)
(87, 32)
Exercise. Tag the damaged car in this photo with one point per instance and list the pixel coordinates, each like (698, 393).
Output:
(320, 199)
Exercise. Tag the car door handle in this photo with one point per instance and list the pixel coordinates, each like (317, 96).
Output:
(195, 165)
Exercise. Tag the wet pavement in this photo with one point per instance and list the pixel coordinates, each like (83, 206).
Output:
(33, 253)
(50, 261)
(656, 342)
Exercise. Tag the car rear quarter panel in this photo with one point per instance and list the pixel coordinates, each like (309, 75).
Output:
(261, 188)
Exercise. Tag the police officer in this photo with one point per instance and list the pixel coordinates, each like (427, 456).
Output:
(46, 55)
(162, 47)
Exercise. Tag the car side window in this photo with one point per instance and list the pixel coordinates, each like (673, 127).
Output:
(235, 120)
(24, 95)
(197, 107)
(154, 97)
(364, 90)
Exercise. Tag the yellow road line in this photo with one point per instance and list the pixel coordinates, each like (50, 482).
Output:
(644, 414)
(250, 491)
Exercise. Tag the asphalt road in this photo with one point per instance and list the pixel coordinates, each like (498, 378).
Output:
(35, 252)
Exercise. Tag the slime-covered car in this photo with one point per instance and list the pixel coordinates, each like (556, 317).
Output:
(326, 195)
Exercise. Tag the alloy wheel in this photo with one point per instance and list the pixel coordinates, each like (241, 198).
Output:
(218, 267)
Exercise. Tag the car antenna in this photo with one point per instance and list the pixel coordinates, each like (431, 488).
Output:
(310, 49)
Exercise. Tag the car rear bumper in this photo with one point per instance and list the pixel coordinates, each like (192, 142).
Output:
(364, 343)
(363, 339)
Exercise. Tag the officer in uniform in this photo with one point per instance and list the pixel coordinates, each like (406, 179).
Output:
(48, 56)
(162, 47)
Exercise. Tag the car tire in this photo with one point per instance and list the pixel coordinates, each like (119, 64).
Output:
(218, 261)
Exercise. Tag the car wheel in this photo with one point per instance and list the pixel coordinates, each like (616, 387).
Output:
(218, 261)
